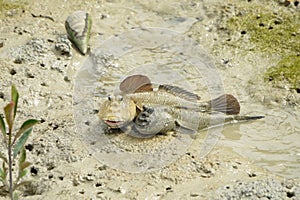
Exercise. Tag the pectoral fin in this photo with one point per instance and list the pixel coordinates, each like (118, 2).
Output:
(183, 129)
(246, 118)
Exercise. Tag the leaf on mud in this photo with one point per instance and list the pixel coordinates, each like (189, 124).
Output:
(9, 114)
(2, 127)
(21, 142)
(14, 98)
(25, 127)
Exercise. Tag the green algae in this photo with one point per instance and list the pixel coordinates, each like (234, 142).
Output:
(5, 6)
(272, 33)
(288, 69)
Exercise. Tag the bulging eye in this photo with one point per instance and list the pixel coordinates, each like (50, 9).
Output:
(120, 98)
(109, 98)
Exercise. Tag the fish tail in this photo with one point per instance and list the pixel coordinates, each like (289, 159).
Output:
(245, 118)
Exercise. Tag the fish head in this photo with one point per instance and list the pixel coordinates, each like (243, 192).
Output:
(117, 111)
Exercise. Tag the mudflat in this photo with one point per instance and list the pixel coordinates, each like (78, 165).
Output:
(255, 48)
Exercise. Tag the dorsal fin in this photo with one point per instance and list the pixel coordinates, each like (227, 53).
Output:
(225, 103)
(136, 83)
(179, 92)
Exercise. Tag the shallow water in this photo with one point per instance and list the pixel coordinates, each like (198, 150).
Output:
(272, 142)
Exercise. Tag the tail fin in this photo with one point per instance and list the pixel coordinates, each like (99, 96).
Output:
(225, 103)
(247, 118)
(217, 120)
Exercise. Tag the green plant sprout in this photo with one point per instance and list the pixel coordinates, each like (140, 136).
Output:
(14, 143)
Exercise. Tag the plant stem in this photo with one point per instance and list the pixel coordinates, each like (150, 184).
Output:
(10, 167)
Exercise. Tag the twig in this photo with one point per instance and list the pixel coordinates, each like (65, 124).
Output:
(42, 16)
(10, 171)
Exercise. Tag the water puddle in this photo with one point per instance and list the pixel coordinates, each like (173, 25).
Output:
(272, 143)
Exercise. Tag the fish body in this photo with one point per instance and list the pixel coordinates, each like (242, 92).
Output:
(161, 119)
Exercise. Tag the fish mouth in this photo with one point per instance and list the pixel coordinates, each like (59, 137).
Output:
(114, 124)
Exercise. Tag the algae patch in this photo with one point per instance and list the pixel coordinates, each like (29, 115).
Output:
(5, 6)
(288, 69)
(271, 32)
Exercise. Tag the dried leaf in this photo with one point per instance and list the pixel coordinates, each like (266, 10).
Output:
(9, 114)
(14, 98)
(25, 165)
(25, 126)
(21, 142)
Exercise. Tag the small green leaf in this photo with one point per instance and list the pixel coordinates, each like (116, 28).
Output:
(3, 173)
(23, 156)
(3, 128)
(14, 98)
(23, 173)
(3, 157)
(25, 126)
(4, 168)
(9, 114)
(16, 196)
(21, 142)
(25, 165)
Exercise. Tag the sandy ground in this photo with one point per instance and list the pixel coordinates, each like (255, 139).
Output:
(37, 58)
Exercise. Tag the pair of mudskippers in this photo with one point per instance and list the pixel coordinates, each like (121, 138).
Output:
(143, 112)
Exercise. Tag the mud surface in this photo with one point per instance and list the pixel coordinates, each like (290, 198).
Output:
(257, 160)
